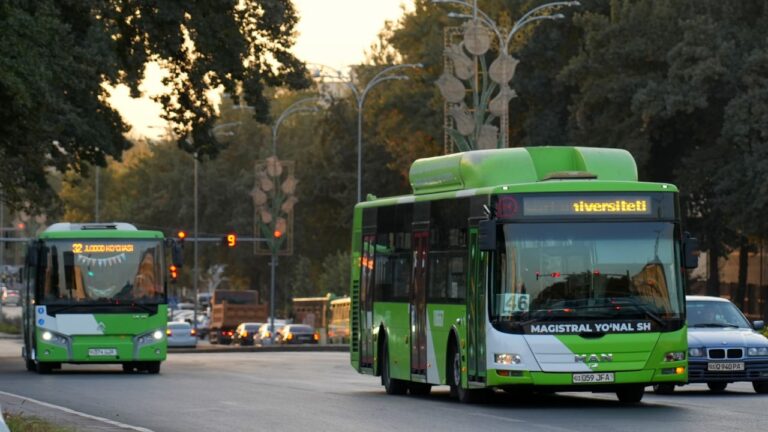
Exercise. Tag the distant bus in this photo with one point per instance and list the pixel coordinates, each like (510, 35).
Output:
(312, 311)
(546, 268)
(95, 293)
(338, 326)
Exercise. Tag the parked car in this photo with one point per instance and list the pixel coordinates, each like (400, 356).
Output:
(11, 297)
(181, 334)
(298, 334)
(723, 346)
(265, 333)
(245, 332)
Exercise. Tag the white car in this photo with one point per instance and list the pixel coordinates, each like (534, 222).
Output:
(181, 334)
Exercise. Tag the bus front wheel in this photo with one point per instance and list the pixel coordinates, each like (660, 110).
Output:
(391, 385)
(152, 367)
(631, 393)
(454, 373)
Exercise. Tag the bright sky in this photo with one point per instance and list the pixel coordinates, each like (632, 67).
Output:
(334, 33)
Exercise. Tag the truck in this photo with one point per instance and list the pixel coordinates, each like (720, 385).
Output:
(229, 308)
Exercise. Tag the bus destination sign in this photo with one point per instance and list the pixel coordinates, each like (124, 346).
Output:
(590, 327)
(586, 205)
(101, 247)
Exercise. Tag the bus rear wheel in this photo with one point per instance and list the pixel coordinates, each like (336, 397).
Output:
(391, 385)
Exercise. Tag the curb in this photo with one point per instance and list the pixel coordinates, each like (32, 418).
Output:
(223, 349)
(9, 336)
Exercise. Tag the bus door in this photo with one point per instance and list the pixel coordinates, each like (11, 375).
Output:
(475, 310)
(366, 301)
(418, 305)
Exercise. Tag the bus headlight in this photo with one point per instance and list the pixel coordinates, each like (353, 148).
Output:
(696, 352)
(674, 356)
(754, 351)
(507, 359)
(157, 335)
(54, 338)
(47, 336)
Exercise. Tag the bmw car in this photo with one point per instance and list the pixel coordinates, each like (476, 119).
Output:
(723, 346)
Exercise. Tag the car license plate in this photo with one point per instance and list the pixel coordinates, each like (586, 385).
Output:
(102, 352)
(583, 378)
(723, 366)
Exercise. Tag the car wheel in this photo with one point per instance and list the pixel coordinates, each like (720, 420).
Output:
(664, 389)
(391, 385)
(760, 387)
(717, 387)
(631, 394)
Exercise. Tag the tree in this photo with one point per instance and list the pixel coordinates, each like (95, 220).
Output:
(55, 56)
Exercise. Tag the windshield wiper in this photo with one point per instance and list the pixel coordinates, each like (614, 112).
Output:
(644, 308)
(715, 325)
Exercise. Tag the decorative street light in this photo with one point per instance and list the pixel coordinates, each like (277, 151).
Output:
(473, 130)
(306, 105)
(385, 74)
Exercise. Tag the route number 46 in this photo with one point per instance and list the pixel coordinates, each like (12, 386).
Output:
(515, 303)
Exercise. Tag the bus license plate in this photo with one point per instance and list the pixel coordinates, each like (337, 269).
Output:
(102, 352)
(585, 378)
(735, 366)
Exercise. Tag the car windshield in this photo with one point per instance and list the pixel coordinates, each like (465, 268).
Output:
(178, 326)
(103, 272)
(300, 329)
(587, 271)
(252, 328)
(715, 314)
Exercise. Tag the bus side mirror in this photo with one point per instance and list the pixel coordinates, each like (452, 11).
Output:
(487, 235)
(32, 251)
(690, 252)
(177, 254)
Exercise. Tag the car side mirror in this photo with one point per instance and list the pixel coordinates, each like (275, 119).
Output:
(690, 252)
(758, 325)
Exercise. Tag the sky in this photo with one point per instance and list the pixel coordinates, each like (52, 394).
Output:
(334, 33)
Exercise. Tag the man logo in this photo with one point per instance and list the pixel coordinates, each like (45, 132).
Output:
(592, 358)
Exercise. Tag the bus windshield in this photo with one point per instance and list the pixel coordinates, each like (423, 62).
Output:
(100, 271)
(587, 271)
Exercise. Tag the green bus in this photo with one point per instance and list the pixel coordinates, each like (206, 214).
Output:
(546, 268)
(96, 293)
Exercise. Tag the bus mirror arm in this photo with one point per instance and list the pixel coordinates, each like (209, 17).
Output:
(690, 251)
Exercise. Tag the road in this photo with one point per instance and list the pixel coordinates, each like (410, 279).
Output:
(296, 391)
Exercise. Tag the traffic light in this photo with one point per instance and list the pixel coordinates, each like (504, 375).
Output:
(277, 234)
(231, 240)
(181, 235)
(174, 271)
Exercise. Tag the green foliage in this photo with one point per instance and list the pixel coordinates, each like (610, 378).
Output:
(55, 57)
(24, 423)
(335, 276)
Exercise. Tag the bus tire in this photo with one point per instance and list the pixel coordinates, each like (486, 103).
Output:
(31, 366)
(664, 389)
(630, 393)
(153, 368)
(391, 385)
(419, 389)
(44, 368)
(468, 396)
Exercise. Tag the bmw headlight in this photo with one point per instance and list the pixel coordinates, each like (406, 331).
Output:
(696, 352)
(754, 351)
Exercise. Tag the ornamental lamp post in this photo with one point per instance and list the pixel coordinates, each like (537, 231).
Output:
(473, 128)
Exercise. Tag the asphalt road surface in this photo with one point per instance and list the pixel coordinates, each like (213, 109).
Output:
(305, 391)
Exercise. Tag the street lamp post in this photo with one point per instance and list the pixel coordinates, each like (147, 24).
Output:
(309, 104)
(501, 72)
(360, 94)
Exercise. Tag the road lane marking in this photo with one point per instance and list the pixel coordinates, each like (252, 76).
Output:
(77, 413)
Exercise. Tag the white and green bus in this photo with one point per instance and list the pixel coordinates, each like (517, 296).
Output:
(548, 269)
(96, 293)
